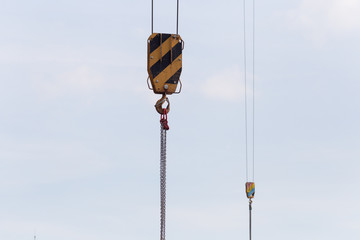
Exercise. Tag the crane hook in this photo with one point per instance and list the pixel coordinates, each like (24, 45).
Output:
(160, 102)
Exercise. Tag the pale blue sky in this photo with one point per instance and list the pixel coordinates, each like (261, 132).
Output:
(79, 152)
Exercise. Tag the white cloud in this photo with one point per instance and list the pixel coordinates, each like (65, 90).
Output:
(325, 18)
(227, 85)
(344, 14)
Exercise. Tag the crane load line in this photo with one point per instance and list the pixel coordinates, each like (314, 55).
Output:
(164, 66)
(250, 184)
(177, 17)
(246, 102)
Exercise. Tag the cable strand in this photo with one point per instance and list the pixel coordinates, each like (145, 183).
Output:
(253, 130)
(245, 97)
(152, 16)
(177, 18)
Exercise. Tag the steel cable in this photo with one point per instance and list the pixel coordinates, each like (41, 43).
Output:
(247, 128)
(177, 18)
(245, 97)
(253, 132)
(152, 16)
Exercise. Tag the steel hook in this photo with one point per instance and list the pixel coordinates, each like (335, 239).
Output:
(160, 102)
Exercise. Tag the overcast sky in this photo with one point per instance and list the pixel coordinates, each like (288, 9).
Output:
(79, 135)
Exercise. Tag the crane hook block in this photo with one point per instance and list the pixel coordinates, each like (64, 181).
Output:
(164, 62)
(250, 189)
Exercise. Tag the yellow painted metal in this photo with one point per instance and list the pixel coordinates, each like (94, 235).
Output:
(164, 62)
(250, 189)
(160, 51)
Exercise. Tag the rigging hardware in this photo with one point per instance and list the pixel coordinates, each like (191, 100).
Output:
(164, 58)
(250, 193)
(164, 66)
(164, 62)
(160, 102)
(249, 185)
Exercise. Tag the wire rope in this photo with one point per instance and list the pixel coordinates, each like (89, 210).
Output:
(177, 18)
(246, 109)
(253, 133)
(152, 16)
(245, 96)
(249, 166)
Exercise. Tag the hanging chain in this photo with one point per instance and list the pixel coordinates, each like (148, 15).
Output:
(163, 128)
(163, 182)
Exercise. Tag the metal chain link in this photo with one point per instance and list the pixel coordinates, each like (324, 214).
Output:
(162, 181)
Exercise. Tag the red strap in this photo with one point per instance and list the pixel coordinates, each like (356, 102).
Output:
(163, 120)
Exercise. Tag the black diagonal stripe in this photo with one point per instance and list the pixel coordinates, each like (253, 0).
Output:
(159, 66)
(155, 42)
(165, 36)
(174, 78)
(176, 51)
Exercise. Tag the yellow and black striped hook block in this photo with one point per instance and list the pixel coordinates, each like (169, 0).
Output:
(164, 62)
(250, 189)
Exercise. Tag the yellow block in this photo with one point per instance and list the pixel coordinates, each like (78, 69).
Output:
(164, 62)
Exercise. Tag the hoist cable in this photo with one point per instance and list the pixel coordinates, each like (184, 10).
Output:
(247, 129)
(152, 16)
(177, 18)
(253, 133)
(250, 185)
(162, 181)
(245, 96)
